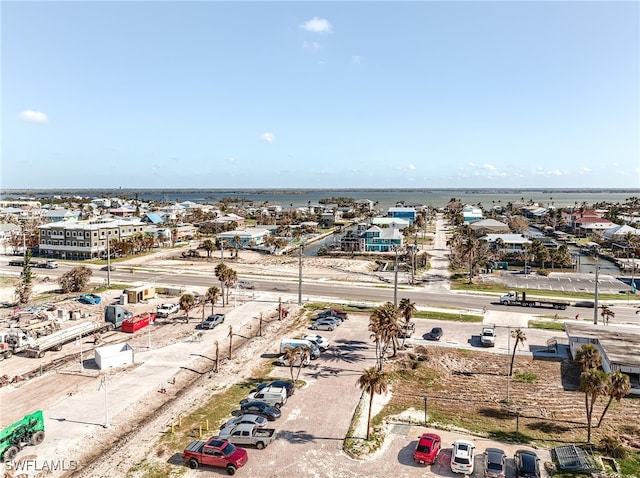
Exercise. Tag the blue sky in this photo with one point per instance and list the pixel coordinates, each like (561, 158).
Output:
(320, 95)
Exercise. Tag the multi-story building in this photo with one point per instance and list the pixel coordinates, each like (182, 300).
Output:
(79, 240)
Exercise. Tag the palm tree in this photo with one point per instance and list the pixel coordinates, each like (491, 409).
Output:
(407, 309)
(187, 302)
(294, 354)
(593, 384)
(372, 381)
(212, 295)
(217, 354)
(588, 357)
(237, 242)
(209, 246)
(606, 314)
(230, 278)
(617, 387)
(519, 336)
(220, 272)
(383, 322)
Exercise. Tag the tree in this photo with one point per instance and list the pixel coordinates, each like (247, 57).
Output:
(383, 322)
(372, 381)
(588, 357)
(209, 246)
(407, 309)
(519, 336)
(212, 295)
(75, 280)
(187, 302)
(217, 354)
(298, 355)
(606, 314)
(220, 272)
(593, 384)
(618, 386)
(24, 288)
(230, 278)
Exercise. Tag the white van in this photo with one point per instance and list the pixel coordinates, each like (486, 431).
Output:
(291, 343)
(273, 396)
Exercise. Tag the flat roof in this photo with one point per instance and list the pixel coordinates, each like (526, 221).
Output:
(620, 343)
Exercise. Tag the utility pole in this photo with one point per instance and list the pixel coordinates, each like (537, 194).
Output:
(103, 386)
(595, 300)
(108, 260)
(300, 275)
(395, 280)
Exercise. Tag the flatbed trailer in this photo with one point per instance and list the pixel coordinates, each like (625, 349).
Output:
(521, 299)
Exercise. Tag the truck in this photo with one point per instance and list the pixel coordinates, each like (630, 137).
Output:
(116, 314)
(248, 434)
(89, 298)
(215, 452)
(29, 430)
(17, 262)
(516, 298)
(165, 310)
(38, 347)
(137, 322)
(488, 336)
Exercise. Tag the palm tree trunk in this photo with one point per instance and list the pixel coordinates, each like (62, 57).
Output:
(513, 357)
(604, 412)
(369, 414)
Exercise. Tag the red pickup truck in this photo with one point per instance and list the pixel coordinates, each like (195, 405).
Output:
(215, 452)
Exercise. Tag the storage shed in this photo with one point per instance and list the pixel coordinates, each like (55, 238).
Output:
(117, 355)
(140, 293)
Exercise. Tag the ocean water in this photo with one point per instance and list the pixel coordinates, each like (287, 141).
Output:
(384, 198)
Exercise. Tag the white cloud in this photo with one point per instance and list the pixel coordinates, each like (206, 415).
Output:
(412, 166)
(356, 60)
(473, 165)
(232, 160)
(268, 137)
(31, 116)
(584, 169)
(311, 45)
(317, 25)
(488, 167)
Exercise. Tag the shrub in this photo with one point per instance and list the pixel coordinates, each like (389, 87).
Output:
(613, 447)
(543, 272)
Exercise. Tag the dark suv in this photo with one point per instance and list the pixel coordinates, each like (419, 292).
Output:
(527, 464)
(257, 407)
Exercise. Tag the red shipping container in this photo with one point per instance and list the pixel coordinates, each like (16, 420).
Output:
(138, 322)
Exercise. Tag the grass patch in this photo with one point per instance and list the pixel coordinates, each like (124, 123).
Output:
(546, 325)
(630, 465)
(112, 287)
(525, 377)
(453, 317)
(160, 470)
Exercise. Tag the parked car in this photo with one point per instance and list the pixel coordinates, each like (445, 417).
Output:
(282, 361)
(427, 449)
(341, 314)
(329, 320)
(494, 463)
(215, 452)
(274, 396)
(319, 340)
(527, 464)
(462, 457)
(435, 334)
(323, 326)
(108, 268)
(165, 310)
(257, 420)
(212, 321)
(243, 284)
(286, 384)
(257, 407)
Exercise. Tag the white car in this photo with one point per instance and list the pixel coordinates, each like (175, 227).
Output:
(321, 325)
(282, 360)
(165, 310)
(243, 284)
(257, 420)
(462, 457)
(319, 340)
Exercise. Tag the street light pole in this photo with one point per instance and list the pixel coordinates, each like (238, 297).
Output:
(103, 386)
(425, 411)
(508, 371)
(108, 261)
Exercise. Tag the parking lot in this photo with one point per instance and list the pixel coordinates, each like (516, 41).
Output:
(316, 419)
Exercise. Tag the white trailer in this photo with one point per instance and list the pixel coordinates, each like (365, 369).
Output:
(56, 340)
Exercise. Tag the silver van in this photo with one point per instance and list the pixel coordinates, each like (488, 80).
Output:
(273, 396)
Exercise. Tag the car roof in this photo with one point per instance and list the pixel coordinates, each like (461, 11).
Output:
(429, 437)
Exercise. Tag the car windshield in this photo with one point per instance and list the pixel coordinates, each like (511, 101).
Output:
(494, 466)
(423, 448)
(462, 461)
(228, 450)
